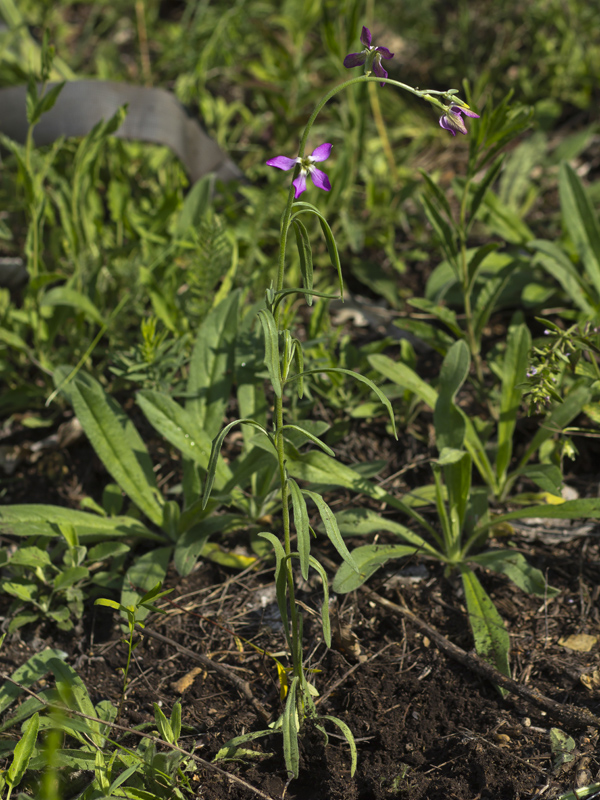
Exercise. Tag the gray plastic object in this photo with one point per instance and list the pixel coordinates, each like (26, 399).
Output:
(153, 115)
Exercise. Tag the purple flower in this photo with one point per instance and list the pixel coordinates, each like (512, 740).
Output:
(307, 167)
(371, 56)
(531, 372)
(452, 120)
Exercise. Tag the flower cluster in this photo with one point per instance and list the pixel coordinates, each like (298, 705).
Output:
(370, 57)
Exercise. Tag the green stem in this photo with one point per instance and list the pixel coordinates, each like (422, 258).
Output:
(431, 96)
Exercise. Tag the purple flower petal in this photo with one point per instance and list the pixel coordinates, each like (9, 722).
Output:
(355, 60)
(466, 111)
(282, 162)
(365, 37)
(320, 180)
(379, 70)
(300, 185)
(444, 124)
(322, 152)
(384, 52)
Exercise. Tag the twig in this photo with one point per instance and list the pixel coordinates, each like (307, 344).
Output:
(155, 739)
(566, 713)
(240, 684)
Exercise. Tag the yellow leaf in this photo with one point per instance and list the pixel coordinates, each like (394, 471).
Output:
(582, 642)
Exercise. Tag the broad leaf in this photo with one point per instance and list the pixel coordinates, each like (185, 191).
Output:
(368, 558)
(211, 366)
(515, 566)
(118, 445)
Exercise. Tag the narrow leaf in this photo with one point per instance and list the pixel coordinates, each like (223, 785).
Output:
(271, 337)
(305, 254)
(331, 528)
(301, 525)
(492, 642)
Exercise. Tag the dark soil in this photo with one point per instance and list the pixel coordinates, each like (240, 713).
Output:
(426, 726)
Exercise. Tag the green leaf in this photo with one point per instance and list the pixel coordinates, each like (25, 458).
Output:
(445, 231)
(360, 378)
(118, 445)
(216, 449)
(581, 221)
(30, 557)
(331, 528)
(480, 189)
(448, 420)
(322, 470)
(23, 751)
(280, 580)
(228, 751)
(289, 728)
(492, 288)
(64, 296)
(271, 337)
(564, 749)
(325, 605)
(27, 674)
(514, 370)
(179, 427)
(492, 641)
(176, 722)
(211, 366)
(143, 575)
(349, 738)
(70, 576)
(437, 193)
(515, 566)
(301, 525)
(584, 508)
(305, 254)
(163, 725)
(556, 262)
(405, 377)
(75, 696)
(363, 521)
(44, 520)
(368, 559)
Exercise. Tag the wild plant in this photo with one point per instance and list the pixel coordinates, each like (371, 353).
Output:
(284, 361)
(464, 516)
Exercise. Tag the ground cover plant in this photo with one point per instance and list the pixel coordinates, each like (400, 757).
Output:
(236, 439)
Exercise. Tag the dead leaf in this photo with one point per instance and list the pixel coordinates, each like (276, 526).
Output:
(581, 642)
(186, 681)
(591, 680)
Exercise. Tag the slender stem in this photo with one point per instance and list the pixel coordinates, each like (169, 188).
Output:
(432, 97)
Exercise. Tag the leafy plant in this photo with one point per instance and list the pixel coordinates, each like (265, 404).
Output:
(44, 590)
(464, 519)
